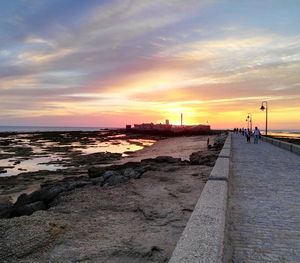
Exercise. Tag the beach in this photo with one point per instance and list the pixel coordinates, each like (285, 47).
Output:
(28, 159)
(129, 209)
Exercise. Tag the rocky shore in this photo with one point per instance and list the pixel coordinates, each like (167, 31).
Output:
(131, 211)
(50, 156)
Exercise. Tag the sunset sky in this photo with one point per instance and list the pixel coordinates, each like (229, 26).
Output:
(111, 63)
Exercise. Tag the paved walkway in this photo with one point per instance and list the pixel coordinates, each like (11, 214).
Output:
(264, 203)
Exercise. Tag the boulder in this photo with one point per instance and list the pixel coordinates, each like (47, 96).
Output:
(161, 159)
(115, 180)
(203, 158)
(97, 158)
(76, 184)
(166, 159)
(22, 200)
(28, 209)
(132, 173)
(45, 194)
(5, 207)
(109, 174)
(94, 172)
(98, 180)
(48, 194)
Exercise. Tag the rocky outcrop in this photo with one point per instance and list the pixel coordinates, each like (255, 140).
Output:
(204, 158)
(108, 176)
(5, 207)
(208, 157)
(96, 158)
(41, 199)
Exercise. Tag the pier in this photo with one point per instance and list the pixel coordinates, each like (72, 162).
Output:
(257, 218)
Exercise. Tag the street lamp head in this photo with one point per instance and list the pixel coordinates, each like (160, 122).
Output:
(262, 107)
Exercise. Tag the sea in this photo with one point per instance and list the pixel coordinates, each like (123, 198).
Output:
(292, 134)
(47, 129)
(289, 133)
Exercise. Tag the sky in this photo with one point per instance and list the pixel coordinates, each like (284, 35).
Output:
(112, 63)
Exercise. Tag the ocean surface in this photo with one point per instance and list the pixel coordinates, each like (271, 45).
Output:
(280, 133)
(45, 129)
(293, 134)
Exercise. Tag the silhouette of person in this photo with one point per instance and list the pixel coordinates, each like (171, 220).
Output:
(256, 134)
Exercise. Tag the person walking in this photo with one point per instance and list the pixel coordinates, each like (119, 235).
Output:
(248, 135)
(256, 134)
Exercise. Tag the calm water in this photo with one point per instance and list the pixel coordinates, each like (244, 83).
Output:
(295, 134)
(41, 158)
(45, 129)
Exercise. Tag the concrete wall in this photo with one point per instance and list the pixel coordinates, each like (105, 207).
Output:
(284, 145)
(203, 238)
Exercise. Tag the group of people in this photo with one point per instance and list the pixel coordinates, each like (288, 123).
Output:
(248, 133)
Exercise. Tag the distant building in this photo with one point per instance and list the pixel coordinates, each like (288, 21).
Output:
(168, 127)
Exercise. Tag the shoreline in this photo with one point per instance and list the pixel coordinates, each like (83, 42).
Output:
(29, 159)
(156, 199)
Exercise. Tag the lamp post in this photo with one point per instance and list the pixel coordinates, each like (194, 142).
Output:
(265, 108)
(249, 119)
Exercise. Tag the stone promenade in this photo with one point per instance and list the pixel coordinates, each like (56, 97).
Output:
(264, 203)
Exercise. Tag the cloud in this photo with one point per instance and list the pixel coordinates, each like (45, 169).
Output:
(124, 56)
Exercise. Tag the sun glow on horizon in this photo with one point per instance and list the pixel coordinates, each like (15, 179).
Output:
(114, 63)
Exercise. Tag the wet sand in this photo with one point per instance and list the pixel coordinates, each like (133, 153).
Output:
(136, 221)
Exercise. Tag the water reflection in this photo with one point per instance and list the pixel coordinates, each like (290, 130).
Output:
(17, 165)
(116, 146)
(45, 151)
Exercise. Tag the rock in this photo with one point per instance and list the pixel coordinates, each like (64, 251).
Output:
(22, 200)
(96, 171)
(47, 195)
(5, 142)
(203, 158)
(98, 180)
(171, 169)
(167, 159)
(28, 209)
(219, 142)
(150, 167)
(23, 151)
(109, 174)
(5, 207)
(163, 159)
(76, 184)
(132, 173)
(115, 179)
(3, 171)
(97, 158)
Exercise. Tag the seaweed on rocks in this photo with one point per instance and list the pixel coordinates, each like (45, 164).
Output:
(108, 176)
(208, 157)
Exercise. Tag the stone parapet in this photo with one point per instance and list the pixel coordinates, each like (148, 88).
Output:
(294, 148)
(203, 239)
